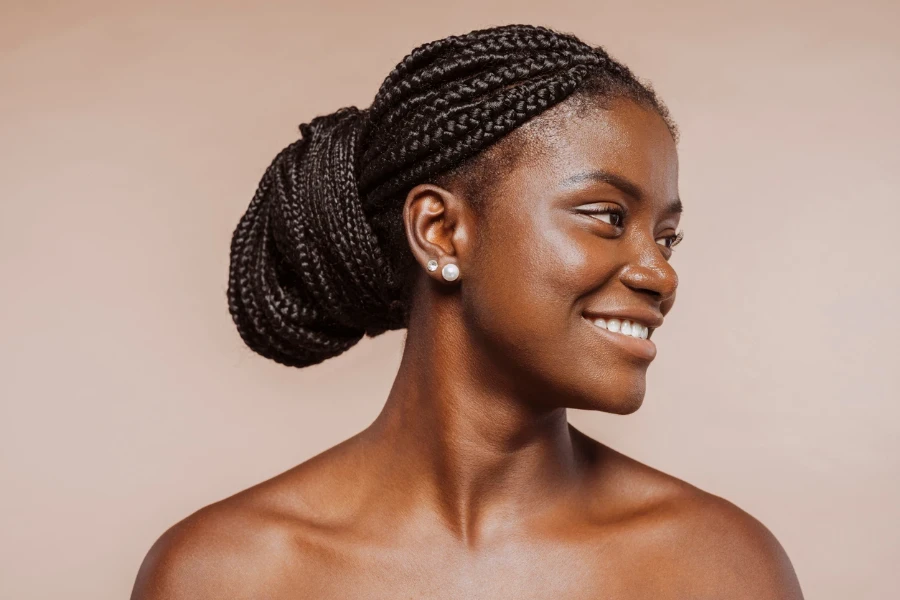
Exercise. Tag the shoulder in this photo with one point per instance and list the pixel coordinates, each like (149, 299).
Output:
(714, 548)
(723, 549)
(267, 541)
(699, 543)
(221, 551)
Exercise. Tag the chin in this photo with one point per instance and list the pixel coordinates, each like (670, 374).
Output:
(623, 406)
(614, 399)
(621, 392)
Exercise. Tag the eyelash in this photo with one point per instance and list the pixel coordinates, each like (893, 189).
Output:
(676, 238)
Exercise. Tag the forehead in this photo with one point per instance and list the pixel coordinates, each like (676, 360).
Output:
(623, 138)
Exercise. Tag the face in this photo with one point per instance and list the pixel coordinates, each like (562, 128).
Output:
(574, 245)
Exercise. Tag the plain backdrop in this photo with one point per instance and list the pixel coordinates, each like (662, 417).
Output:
(134, 135)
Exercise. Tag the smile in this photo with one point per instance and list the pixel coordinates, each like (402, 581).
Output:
(630, 336)
(624, 327)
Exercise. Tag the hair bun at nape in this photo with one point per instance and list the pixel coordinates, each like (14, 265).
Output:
(307, 278)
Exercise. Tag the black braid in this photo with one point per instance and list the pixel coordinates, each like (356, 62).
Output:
(320, 258)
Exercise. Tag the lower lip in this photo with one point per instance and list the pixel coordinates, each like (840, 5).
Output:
(637, 347)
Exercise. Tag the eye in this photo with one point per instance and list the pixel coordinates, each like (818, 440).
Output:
(612, 217)
(670, 241)
(611, 214)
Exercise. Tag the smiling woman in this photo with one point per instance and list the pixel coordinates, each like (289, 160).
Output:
(511, 199)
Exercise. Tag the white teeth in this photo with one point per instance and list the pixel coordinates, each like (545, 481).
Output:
(624, 327)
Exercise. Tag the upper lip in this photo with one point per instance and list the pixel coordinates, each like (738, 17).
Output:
(644, 316)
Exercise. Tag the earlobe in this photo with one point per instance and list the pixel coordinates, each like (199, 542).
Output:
(433, 228)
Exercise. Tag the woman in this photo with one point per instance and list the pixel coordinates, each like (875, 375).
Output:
(511, 199)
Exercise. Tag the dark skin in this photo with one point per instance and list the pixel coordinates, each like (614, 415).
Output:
(471, 483)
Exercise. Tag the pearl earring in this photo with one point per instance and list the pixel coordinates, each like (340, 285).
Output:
(450, 272)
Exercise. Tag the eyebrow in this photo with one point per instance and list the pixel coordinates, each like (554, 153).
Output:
(617, 181)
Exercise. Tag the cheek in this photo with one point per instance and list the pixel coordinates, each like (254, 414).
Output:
(527, 283)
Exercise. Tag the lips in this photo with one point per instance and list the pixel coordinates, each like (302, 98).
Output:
(637, 347)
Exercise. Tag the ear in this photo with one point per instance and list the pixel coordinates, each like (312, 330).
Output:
(438, 226)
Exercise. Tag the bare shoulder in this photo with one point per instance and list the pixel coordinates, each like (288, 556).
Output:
(725, 550)
(267, 541)
(702, 545)
(220, 551)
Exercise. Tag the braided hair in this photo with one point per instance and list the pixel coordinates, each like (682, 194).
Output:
(320, 258)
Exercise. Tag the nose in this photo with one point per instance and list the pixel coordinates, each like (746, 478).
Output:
(650, 273)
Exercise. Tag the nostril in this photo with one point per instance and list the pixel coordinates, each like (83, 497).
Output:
(658, 283)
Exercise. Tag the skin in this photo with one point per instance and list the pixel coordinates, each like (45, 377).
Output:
(471, 483)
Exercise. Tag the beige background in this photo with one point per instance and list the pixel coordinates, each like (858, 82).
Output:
(133, 138)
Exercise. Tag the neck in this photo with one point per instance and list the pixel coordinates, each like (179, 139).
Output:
(454, 434)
